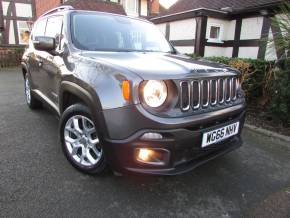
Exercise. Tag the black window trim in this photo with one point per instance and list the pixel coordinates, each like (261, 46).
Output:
(61, 31)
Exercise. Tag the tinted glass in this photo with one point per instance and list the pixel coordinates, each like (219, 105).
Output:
(97, 32)
(214, 32)
(39, 29)
(53, 28)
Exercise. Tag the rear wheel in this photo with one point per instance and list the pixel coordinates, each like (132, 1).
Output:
(31, 101)
(80, 140)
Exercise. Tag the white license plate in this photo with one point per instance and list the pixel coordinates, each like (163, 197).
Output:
(220, 134)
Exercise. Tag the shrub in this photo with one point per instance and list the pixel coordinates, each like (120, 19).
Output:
(280, 91)
(281, 40)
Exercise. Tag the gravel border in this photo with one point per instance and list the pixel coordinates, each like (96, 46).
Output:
(285, 140)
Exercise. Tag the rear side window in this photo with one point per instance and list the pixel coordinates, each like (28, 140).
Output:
(54, 28)
(39, 29)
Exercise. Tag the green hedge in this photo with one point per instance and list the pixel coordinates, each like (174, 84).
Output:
(266, 84)
(253, 75)
(280, 91)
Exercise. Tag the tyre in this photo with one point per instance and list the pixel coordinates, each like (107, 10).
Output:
(80, 140)
(31, 101)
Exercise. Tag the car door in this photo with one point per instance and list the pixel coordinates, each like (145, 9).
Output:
(53, 60)
(35, 59)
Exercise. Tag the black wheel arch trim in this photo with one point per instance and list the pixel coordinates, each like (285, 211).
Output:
(24, 67)
(90, 99)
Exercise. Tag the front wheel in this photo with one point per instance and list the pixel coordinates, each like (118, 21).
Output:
(80, 140)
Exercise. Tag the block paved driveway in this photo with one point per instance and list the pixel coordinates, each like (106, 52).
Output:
(37, 181)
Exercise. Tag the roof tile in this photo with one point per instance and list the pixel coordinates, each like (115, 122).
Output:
(97, 5)
(185, 5)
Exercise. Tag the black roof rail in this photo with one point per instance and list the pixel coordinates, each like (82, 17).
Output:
(60, 8)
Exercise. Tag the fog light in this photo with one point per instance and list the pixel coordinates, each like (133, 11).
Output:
(152, 156)
(145, 154)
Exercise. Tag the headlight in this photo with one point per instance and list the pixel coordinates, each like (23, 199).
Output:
(155, 93)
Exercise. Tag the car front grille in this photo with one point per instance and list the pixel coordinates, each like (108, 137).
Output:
(207, 92)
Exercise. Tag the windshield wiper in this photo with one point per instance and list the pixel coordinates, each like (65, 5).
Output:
(116, 50)
(132, 50)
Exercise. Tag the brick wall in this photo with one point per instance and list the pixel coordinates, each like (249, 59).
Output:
(42, 6)
(10, 56)
(155, 7)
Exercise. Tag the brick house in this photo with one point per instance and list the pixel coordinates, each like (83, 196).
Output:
(17, 16)
(221, 27)
(129, 7)
(105, 6)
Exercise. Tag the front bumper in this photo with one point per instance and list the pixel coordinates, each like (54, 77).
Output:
(183, 143)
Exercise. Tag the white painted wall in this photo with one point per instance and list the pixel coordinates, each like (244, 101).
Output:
(131, 7)
(162, 28)
(23, 10)
(212, 51)
(5, 6)
(230, 30)
(144, 11)
(270, 54)
(183, 29)
(227, 28)
(228, 52)
(252, 28)
(185, 49)
(248, 52)
(11, 34)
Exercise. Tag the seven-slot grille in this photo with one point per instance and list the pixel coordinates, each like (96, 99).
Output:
(203, 93)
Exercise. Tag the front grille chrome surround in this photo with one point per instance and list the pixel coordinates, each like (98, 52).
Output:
(235, 87)
(208, 92)
(221, 91)
(228, 89)
(196, 94)
(185, 91)
(205, 93)
(213, 92)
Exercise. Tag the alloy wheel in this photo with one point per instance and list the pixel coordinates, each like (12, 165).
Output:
(82, 141)
(27, 90)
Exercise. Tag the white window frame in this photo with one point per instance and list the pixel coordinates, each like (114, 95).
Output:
(136, 9)
(215, 40)
(19, 31)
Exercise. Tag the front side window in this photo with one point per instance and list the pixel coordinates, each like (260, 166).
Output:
(39, 29)
(97, 32)
(53, 28)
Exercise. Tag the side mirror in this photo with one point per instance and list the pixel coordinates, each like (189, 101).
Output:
(44, 43)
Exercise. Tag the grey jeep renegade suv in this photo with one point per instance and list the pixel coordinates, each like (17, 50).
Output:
(125, 97)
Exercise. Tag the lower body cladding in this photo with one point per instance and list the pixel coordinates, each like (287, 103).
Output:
(177, 150)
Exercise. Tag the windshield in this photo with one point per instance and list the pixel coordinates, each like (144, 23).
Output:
(100, 32)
